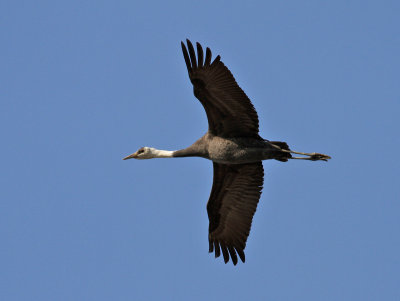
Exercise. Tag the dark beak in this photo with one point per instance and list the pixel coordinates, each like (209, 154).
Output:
(134, 155)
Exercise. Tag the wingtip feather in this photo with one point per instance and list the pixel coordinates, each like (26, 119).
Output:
(225, 253)
(217, 249)
(233, 255)
(192, 54)
(199, 55)
(208, 57)
(241, 255)
(186, 57)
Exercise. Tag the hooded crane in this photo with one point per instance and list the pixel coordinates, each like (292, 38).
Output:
(236, 149)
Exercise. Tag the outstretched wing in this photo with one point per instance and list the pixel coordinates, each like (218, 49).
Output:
(233, 201)
(230, 112)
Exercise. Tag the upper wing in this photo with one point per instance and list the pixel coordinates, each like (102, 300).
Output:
(230, 112)
(233, 201)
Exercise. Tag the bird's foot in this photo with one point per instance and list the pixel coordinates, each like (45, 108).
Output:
(310, 156)
(317, 157)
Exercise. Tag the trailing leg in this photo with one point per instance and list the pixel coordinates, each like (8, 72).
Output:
(309, 156)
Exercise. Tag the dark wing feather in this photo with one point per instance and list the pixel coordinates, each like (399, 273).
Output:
(233, 201)
(230, 112)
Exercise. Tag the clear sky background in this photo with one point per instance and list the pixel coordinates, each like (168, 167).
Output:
(85, 83)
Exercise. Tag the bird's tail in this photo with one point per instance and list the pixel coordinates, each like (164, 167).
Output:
(282, 156)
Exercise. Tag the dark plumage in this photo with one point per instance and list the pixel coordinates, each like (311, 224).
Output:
(234, 145)
(229, 110)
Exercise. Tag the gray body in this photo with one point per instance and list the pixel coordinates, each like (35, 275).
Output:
(235, 150)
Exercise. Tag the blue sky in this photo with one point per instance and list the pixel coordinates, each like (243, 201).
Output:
(83, 84)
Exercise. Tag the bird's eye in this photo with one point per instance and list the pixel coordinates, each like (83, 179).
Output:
(141, 151)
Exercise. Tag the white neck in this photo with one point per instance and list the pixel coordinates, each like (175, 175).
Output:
(159, 153)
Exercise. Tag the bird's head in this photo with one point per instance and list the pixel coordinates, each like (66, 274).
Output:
(142, 153)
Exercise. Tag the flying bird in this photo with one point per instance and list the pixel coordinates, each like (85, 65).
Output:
(235, 147)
